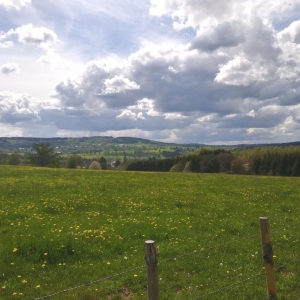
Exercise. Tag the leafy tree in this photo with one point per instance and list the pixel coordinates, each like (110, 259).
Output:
(103, 163)
(4, 158)
(178, 167)
(94, 166)
(74, 160)
(194, 165)
(14, 159)
(238, 166)
(208, 164)
(296, 168)
(117, 163)
(44, 156)
(225, 160)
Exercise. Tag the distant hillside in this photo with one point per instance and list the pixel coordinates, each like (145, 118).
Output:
(112, 148)
(107, 146)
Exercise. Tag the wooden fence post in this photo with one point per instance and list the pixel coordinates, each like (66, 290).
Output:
(152, 270)
(267, 254)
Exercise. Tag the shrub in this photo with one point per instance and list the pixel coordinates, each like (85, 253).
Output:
(94, 166)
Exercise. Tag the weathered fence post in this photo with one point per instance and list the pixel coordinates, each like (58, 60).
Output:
(267, 253)
(152, 270)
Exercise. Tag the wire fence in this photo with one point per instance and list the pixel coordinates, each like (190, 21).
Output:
(185, 255)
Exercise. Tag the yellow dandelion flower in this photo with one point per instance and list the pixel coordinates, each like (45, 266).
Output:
(24, 281)
(19, 276)
(134, 275)
(38, 286)
(15, 250)
(45, 253)
(108, 263)
(4, 287)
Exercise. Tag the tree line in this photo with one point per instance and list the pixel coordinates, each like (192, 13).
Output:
(257, 161)
(281, 161)
(43, 155)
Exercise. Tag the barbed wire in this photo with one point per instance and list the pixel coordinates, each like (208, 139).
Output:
(228, 286)
(209, 248)
(174, 259)
(247, 279)
(284, 228)
(227, 243)
(286, 264)
(131, 270)
(90, 283)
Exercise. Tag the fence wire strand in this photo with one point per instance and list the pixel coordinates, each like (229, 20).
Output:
(90, 283)
(209, 248)
(229, 286)
(179, 257)
(247, 279)
(284, 228)
(278, 269)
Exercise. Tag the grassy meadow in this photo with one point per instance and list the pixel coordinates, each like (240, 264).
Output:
(62, 228)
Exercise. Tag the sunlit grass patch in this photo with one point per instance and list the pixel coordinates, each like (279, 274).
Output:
(63, 228)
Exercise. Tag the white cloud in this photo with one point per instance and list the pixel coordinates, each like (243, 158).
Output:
(31, 35)
(128, 114)
(6, 44)
(233, 75)
(147, 105)
(54, 60)
(174, 116)
(191, 13)
(171, 69)
(225, 34)
(9, 68)
(251, 113)
(16, 4)
(289, 41)
(241, 71)
(16, 108)
(118, 84)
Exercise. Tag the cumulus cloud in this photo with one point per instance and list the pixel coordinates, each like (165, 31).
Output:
(16, 4)
(131, 115)
(290, 34)
(41, 37)
(55, 60)
(192, 13)
(118, 84)
(31, 35)
(6, 44)
(15, 108)
(241, 71)
(9, 68)
(83, 91)
(233, 77)
(289, 41)
(18, 108)
(223, 35)
(181, 87)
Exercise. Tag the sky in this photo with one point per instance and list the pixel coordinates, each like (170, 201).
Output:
(193, 71)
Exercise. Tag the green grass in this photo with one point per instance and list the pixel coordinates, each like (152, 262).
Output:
(62, 228)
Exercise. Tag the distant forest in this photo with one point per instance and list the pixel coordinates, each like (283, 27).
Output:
(280, 161)
(266, 160)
